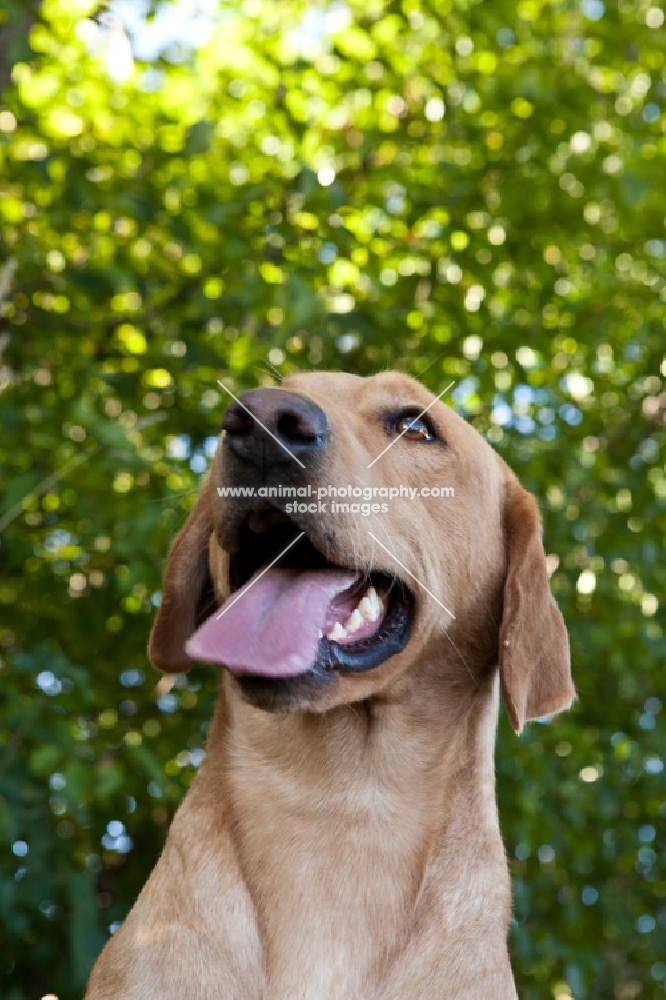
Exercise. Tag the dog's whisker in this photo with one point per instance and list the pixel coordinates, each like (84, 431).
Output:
(462, 658)
(274, 370)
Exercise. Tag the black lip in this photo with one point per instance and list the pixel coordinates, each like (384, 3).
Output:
(391, 637)
(256, 549)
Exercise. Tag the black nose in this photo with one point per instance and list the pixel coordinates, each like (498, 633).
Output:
(266, 423)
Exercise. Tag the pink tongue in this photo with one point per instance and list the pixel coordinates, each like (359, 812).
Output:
(271, 626)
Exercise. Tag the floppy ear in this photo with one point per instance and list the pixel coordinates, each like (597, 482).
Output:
(534, 660)
(187, 589)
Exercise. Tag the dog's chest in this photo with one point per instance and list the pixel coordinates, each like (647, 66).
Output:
(335, 907)
(334, 886)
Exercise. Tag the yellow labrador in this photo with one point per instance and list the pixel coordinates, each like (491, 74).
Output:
(341, 839)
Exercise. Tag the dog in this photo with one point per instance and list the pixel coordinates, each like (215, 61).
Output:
(341, 839)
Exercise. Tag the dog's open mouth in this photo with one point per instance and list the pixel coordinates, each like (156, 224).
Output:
(304, 614)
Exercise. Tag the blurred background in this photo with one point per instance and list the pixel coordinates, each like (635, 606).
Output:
(199, 190)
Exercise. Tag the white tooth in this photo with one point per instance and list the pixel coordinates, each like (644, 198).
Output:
(354, 621)
(365, 604)
(337, 632)
(371, 605)
(320, 634)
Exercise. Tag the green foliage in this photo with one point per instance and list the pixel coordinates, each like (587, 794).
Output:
(468, 191)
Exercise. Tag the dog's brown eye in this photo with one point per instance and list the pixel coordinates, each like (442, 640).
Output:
(414, 428)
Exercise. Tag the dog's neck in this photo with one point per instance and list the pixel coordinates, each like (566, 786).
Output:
(415, 737)
(309, 837)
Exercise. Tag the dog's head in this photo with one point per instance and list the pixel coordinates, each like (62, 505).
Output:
(303, 573)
